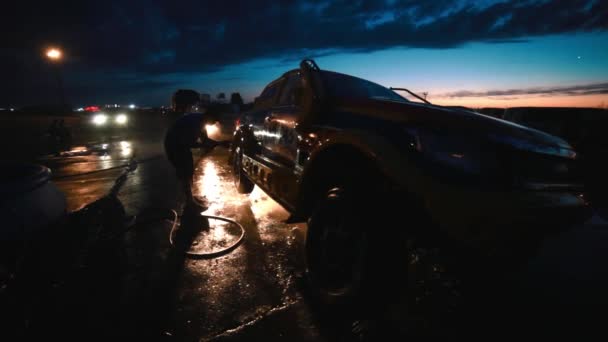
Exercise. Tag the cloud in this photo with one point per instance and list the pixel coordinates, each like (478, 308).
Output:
(576, 90)
(168, 36)
(160, 37)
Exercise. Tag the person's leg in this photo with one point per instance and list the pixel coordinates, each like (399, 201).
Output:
(188, 174)
(186, 183)
(179, 158)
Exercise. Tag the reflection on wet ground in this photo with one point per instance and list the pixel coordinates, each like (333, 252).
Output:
(222, 297)
(255, 292)
(253, 281)
(86, 172)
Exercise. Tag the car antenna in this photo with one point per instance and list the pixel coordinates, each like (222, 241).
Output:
(412, 93)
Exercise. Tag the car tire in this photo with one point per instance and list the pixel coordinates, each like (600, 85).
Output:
(330, 284)
(243, 184)
(387, 267)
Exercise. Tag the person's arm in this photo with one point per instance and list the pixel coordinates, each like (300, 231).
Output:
(207, 143)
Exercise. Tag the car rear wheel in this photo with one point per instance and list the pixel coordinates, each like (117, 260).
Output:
(243, 184)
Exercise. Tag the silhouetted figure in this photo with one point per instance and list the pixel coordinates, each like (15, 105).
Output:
(187, 132)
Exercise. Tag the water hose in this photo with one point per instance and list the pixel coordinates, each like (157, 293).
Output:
(116, 188)
(214, 254)
(197, 255)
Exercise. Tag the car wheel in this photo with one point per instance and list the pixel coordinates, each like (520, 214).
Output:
(360, 260)
(336, 249)
(243, 184)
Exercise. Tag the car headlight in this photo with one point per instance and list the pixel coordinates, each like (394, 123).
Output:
(211, 129)
(121, 119)
(100, 119)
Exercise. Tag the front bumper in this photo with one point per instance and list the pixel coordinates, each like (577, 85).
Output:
(502, 221)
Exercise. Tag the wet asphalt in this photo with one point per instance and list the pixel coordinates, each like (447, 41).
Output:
(228, 297)
(258, 292)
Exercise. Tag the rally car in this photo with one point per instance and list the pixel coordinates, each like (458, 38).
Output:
(388, 184)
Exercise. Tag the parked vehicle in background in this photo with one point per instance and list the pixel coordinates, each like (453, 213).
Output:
(585, 129)
(396, 192)
(111, 118)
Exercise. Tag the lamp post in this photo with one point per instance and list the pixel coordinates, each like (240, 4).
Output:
(55, 56)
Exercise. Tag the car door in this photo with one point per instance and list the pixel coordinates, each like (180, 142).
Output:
(282, 119)
(281, 141)
(257, 120)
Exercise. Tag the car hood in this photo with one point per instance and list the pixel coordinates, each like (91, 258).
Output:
(467, 122)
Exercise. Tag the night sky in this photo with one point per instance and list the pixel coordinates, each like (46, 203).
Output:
(474, 53)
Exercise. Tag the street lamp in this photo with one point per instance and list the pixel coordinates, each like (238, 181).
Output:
(53, 54)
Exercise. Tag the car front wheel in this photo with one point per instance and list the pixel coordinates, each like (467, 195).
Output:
(243, 184)
(337, 248)
(361, 256)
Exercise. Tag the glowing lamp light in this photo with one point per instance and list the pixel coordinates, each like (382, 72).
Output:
(54, 54)
(212, 129)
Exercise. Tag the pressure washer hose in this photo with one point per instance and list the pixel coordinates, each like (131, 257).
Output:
(196, 255)
(213, 254)
(176, 217)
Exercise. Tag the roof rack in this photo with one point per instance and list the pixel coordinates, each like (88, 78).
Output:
(309, 64)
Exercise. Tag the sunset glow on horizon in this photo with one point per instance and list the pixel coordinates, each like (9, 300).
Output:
(588, 101)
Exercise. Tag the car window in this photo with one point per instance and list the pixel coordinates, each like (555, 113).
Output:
(291, 93)
(341, 85)
(266, 99)
(269, 92)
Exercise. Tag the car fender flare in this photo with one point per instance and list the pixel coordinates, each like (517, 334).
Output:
(385, 157)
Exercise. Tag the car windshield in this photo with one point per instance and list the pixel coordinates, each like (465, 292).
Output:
(340, 85)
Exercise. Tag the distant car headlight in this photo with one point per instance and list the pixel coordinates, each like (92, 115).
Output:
(100, 119)
(121, 119)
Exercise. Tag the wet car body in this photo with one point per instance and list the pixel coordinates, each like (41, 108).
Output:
(486, 183)
(584, 129)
